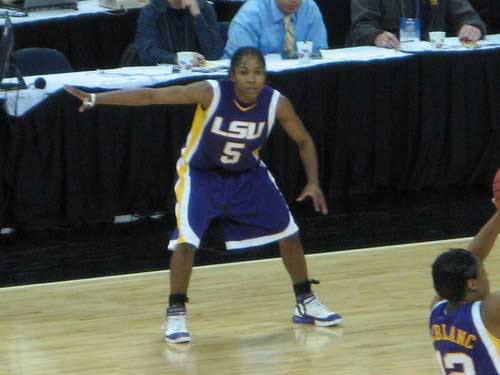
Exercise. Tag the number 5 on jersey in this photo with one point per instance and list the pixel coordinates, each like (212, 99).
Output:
(232, 152)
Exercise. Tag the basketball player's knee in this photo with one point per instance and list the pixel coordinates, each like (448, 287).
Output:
(185, 248)
(291, 243)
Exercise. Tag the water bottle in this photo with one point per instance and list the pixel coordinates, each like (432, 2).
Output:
(409, 29)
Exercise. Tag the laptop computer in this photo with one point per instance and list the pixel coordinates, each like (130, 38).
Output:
(122, 4)
(34, 5)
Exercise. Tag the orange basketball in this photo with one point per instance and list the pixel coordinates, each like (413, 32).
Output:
(496, 186)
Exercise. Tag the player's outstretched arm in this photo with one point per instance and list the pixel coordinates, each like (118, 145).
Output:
(485, 239)
(293, 126)
(194, 93)
(481, 247)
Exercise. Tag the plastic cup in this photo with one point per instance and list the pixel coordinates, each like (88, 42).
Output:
(436, 38)
(304, 51)
(185, 61)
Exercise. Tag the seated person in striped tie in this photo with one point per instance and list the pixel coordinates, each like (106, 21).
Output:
(273, 26)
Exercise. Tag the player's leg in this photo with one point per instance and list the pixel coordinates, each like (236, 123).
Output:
(194, 211)
(181, 266)
(256, 221)
(293, 258)
(308, 308)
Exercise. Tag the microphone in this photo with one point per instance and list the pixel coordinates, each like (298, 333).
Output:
(40, 83)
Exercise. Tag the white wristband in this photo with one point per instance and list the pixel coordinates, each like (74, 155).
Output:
(91, 101)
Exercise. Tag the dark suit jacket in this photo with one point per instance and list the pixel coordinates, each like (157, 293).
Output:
(489, 11)
(163, 31)
(370, 18)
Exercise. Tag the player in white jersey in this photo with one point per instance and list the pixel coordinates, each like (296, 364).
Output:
(220, 174)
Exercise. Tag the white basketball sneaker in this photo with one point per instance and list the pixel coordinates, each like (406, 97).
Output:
(175, 328)
(310, 311)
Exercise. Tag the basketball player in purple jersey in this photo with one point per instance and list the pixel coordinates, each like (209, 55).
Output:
(465, 317)
(220, 174)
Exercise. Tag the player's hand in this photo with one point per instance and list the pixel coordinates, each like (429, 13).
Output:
(468, 32)
(198, 59)
(82, 95)
(192, 6)
(314, 192)
(387, 40)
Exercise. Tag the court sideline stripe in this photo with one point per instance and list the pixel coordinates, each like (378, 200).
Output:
(231, 264)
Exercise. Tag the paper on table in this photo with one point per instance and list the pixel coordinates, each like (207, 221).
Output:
(364, 53)
(450, 44)
(483, 44)
(493, 38)
(158, 70)
(280, 65)
(212, 66)
(416, 46)
(216, 64)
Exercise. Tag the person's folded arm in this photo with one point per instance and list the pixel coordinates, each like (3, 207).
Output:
(460, 13)
(207, 31)
(365, 22)
(148, 39)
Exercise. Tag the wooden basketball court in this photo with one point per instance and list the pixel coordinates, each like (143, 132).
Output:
(240, 319)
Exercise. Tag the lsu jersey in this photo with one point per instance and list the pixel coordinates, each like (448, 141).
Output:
(463, 344)
(227, 135)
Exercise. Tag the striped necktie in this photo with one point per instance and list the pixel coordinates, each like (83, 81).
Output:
(289, 45)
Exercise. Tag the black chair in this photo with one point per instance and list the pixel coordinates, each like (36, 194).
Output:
(223, 30)
(35, 61)
(129, 57)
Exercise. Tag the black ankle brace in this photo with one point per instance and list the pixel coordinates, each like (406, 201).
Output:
(304, 287)
(177, 300)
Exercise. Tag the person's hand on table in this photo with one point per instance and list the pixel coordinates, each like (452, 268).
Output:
(468, 32)
(387, 40)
